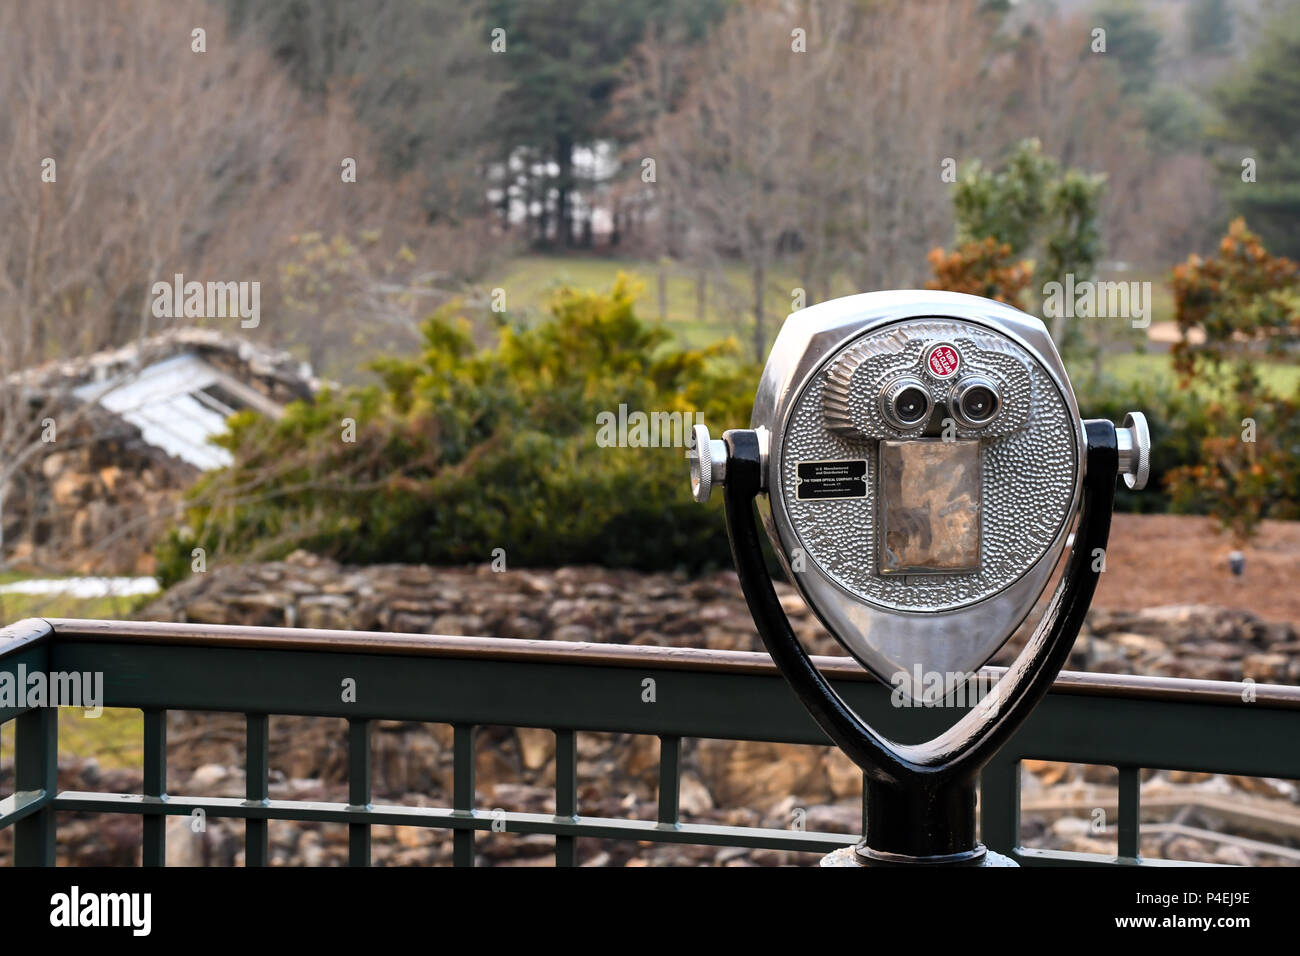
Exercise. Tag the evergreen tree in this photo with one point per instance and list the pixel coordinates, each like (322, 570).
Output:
(1261, 112)
(563, 61)
(1029, 207)
(419, 72)
(1133, 40)
(1209, 26)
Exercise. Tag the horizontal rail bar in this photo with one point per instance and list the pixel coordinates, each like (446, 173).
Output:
(613, 828)
(32, 630)
(25, 644)
(1086, 718)
(23, 804)
(423, 645)
(1036, 857)
(611, 655)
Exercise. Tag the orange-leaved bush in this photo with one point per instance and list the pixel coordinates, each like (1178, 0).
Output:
(983, 267)
(1236, 309)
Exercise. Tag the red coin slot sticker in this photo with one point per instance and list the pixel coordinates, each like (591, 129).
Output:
(943, 361)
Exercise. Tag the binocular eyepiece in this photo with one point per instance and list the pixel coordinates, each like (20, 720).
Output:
(905, 402)
(973, 401)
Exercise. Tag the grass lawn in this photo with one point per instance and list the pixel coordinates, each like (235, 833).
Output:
(15, 607)
(529, 282)
(1282, 378)
(114, 738)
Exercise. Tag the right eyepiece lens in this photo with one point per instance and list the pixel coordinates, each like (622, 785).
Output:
(978, 402)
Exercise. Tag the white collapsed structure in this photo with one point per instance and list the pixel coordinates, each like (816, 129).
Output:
(133, 428)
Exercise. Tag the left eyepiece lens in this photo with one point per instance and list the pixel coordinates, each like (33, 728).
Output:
(911, 405)
(906, 403)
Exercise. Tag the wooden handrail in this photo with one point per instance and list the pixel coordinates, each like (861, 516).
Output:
(33, 630)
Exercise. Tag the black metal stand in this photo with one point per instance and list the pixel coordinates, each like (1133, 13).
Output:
(920, 798)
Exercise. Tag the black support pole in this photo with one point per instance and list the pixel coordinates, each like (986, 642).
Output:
(920, 798)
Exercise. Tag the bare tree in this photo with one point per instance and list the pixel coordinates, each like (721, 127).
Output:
(732, 155)
(815, 132)
(1049, 84)
(139, 150)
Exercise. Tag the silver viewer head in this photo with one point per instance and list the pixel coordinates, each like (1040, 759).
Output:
(923, 464)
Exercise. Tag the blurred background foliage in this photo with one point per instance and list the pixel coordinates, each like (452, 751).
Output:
(461, 449)
(463, 446)
(1245, 302)
(733, 159)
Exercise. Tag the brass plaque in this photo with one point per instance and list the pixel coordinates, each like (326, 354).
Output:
(929, 494)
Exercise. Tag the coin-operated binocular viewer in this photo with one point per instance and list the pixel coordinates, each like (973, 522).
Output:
(921, 468)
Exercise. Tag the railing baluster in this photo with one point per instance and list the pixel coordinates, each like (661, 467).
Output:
(154, 843)
(463, 791)
(670, 780)
(257, 788)
(36, 767)
(1000, 805)
(566, 793)
(1129, 811)
(862, 826)
(359, 790)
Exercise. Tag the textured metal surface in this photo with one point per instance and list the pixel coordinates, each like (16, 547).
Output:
(848, 856)
(920, 798)
(855, 376)
(701, 459)
(1135, 451)
(1028, 451)
(893, 642)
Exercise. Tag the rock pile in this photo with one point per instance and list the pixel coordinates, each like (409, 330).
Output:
(673, 610)
(91, 502)
(1199, 641)
(93, 505)
(564, 604)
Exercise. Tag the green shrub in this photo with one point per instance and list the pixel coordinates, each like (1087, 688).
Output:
(1180, 419)
(461, 451)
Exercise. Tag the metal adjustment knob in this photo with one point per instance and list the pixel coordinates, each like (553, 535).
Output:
(708, 457)
(1134, 441)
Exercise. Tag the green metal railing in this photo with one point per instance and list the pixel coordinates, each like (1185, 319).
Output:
(1131, 723)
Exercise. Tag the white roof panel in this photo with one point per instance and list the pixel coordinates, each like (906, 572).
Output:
(159, 401)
